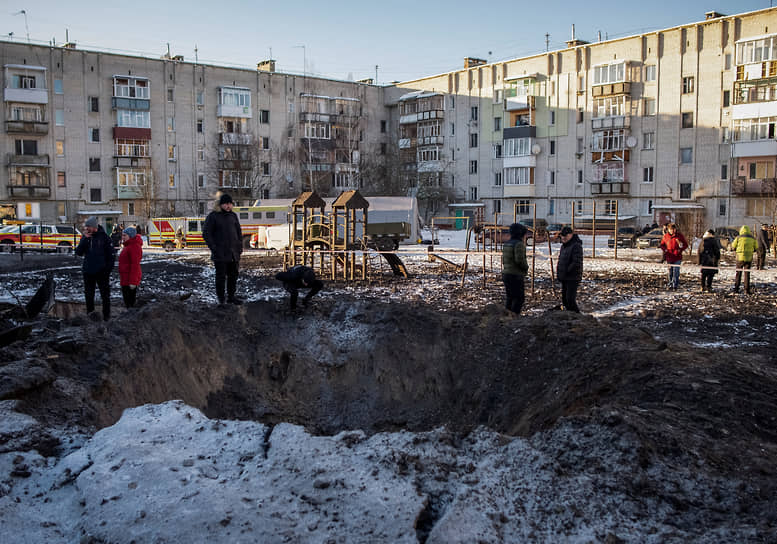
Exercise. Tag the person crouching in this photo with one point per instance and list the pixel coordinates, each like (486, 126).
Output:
(300, 277)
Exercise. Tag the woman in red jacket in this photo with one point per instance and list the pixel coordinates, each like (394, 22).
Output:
(673, 244)
(129, 265)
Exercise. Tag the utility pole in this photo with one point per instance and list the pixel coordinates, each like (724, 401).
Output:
(547, 42)
(376, 74)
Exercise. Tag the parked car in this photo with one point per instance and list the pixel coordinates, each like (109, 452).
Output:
(538, 230)
(35, 236)
(627, 237)
(553, 231)
(651, 239)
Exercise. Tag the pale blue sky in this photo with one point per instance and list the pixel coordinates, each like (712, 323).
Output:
(346, 39)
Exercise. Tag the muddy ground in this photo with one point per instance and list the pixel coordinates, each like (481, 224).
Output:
(693, 376)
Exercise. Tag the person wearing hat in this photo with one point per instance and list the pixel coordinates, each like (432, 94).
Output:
(745, 245)
(673, 244)
(709, 257)
(300, 277)
(569, 269)
(515, 267)
(129, 265)
(224, 238)
(97, 250)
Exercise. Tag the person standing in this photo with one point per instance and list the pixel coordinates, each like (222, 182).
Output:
(180, 238)
(116, 237)
(515, 267)
(300, 277)
(224, 238)
(569, 269)
(763, 246)
(97, 250)
(129, 265)
(709, 258)
(745, 245)
(673, 244)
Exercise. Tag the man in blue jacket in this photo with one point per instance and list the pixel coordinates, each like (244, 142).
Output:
(96, 248)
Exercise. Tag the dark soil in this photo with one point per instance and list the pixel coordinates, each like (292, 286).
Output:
(420, 353)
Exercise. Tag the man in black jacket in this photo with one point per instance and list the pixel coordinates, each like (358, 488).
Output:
(224, 237)
(300, 277)
(569, 270)
(763, 247)
(97, 249)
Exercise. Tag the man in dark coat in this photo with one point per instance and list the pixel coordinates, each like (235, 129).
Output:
(224, 237)
(763, 246)
(300, 277)
(569, 270)
(515, 267)
(96, 248)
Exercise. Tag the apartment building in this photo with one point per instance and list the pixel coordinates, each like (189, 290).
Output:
(128, 138)
(676, 124)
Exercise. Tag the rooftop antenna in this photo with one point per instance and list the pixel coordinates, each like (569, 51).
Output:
(27, 28)
(10, 36)
(376, 74)
(547, 41)
(195, 54)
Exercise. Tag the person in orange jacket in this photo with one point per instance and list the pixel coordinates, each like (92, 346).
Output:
(673, 244)
(129, 265)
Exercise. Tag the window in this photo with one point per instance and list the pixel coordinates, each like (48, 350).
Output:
(552, 177)
(497, 178)
(552, 147)
(578, 207)
(517, 147)
(685, 190)
(473, 167)
(497, 123)
(610, 73)
(551, 207)
(723, 171)
(580, 114)
(725, 135)
(453, 154)
(428, 154)
(686, 155)
(94, 164)
(383, 127)
(264, 116)
(522, 207)
(317, 131)
(58, 87)
(650, 107)
(648, 207)
(647, 174)
(94, 104)
(497, 206)
(726, 99)
(128, 87)
(453, 129)
(552, 119)
(265, 141)
(130, 208)
(199, 98)
(201, 181)
(23, 82)
(265, 168)
(521, 175)
(580, 146)
(473, 113)
(59, 118)
(581, 84)
(650, 72)
(171, 152)
(610, 106)
(170, 95)
(94, 135)
(473, 140)
(171, 181)
(473, 194)
(201, 153)
(291, 106)
(722, 208)
(610, 206)
(199, 126)
(131, 178)
(171, 124)
(451, 102)
(133, 118)
(648, 140)
(60, 147)
(26, 147)
(95, 195)
(687, 120)
(498, 96)
(579, 177)
(687, 84)
(60, 179)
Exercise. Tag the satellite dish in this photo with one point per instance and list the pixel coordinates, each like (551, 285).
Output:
(631, 141)
(535, 149)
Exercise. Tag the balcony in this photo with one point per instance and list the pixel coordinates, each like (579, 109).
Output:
(29, 96)
(755, 148)
(520, 102)
(231, 110)
(754, 187)
(430, 114)
(121, 161)
(430, 166)
(610, 188)
(315, 117)
(523, 131)
(27, 127)
(430, 140)
(41, 190)
(131, 133)
(235, 138)
(616, 121)
(235, 164)
(608, 156)
(755, 90)
(130, 192)
(27, 160)
(407, 143)
(408, 118)
(519, 191)
(124, 103)
(611, 89)
(520, 161)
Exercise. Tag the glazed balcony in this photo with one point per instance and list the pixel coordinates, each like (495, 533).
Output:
(27, 127)
(610, 188)
(754, 187)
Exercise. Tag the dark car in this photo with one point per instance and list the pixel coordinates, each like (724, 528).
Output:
(627, 237)
(726, 235)
(538, 230)
(651, 239)
(553, 231)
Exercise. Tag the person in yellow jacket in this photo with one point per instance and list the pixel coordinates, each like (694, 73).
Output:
(745, 245)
